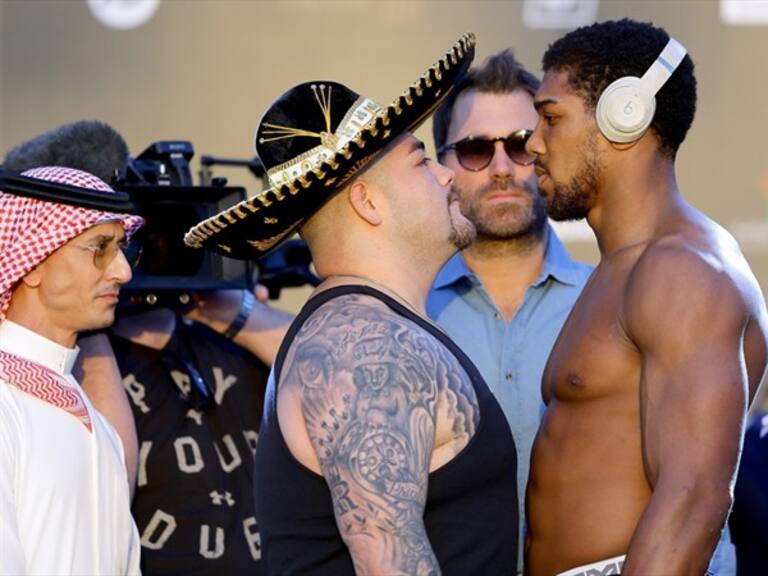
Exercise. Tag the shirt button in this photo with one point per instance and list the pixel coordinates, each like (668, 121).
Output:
(508, 375)
(497, 315)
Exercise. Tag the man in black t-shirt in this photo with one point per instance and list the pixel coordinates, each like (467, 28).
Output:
(197, 403)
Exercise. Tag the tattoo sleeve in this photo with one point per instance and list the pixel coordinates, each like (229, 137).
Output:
(369, 382)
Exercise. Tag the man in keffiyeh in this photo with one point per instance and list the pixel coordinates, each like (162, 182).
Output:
(64, 495)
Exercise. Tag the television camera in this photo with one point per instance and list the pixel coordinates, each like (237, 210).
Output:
(159, 182)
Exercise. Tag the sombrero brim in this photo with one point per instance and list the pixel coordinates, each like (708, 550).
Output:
(258, 225)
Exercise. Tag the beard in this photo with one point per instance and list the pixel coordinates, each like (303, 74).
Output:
(574, 200)
(507, 221)
(463, 231)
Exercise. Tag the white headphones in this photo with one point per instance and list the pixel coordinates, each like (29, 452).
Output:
(626, 107)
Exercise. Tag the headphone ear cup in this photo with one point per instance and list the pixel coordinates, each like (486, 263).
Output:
(625, 110)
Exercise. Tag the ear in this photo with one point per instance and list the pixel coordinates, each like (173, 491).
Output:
(33, 278)
(361, 199)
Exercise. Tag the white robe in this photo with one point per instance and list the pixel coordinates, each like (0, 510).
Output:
(64, 495)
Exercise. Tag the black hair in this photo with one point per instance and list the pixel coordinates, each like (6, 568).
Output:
(500, 74)
(596, 55)
(88, 145)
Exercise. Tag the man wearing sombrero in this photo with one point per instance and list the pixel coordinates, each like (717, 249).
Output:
(64, 495)
(381, 450)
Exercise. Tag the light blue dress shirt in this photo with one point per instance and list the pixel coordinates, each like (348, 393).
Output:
(510, 355)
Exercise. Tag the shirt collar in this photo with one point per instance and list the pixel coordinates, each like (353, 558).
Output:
(557, 264)
(453, 271)
(22, 342)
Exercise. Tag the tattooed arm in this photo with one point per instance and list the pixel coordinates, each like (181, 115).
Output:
(368, 380)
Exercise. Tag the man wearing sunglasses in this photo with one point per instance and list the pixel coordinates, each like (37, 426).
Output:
(64, 492)
(504, 298)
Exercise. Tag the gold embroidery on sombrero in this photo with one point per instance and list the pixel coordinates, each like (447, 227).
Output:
(213, 225)
(283, 132)
(360, 116)
(230, 218)
(327, 137)
(267, 243)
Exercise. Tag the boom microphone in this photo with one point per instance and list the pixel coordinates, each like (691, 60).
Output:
(88, 145)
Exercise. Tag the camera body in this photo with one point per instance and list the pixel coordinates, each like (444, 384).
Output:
(159, 183)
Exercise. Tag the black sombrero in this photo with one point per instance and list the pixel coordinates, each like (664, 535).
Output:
(312, 140)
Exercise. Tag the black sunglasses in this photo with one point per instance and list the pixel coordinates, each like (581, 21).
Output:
(475, 153)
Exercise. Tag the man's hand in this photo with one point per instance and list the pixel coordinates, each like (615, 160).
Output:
(262, 332)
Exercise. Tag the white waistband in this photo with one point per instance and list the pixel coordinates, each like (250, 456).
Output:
(601, 568)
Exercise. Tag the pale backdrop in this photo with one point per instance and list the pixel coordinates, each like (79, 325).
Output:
(204, 70)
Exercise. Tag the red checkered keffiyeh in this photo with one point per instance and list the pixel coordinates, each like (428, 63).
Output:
(44, 384)
(31, 230)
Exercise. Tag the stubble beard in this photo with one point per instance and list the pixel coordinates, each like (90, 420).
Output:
(463, 231)
(574, 200)
(506, 222)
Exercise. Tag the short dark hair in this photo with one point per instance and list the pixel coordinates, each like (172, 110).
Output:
(87, 145)
(500, 74)
(596, 55)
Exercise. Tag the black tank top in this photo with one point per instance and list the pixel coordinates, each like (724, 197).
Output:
(471, 510)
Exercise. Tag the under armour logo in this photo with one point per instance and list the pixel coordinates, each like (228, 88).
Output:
(217, 498)
(196, 416)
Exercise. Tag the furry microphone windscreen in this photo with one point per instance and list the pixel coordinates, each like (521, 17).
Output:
(87, 145)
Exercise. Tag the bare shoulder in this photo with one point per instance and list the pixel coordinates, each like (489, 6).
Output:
(691, 280)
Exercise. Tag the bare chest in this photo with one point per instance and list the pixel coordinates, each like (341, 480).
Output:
(593, 357)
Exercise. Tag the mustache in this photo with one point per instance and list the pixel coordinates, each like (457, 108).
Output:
(529, 188)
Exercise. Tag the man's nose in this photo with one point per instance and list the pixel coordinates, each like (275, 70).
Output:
(443, 174)
(119, 270)
(535, 144)
(501, 166)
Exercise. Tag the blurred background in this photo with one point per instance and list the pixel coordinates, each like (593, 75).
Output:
(204, 71)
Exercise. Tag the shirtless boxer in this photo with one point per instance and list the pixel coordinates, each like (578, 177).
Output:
(648, 383)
